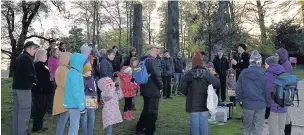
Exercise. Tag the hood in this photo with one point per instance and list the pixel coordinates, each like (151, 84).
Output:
(77, 61)
(275, 69)
(85, 49)
(130, 54)
(198, 73)
(283, 55)
(65, 58)
(253, 72)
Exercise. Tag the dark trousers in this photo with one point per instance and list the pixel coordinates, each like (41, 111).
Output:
(148, 116)
(50, 99)
(222, 91)
(40, 101)
(128, 104)
(167, 86)
(233, 100)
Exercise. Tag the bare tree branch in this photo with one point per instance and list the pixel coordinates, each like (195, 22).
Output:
(8, 53)
(37, 36)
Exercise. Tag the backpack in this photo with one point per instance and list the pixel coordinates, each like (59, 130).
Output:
(286, 89)
(140, 73)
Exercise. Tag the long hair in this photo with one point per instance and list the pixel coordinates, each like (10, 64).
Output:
(39, 54)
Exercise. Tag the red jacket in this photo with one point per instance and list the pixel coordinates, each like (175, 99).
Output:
(127, 86)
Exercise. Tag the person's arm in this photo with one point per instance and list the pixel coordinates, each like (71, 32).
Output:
(78, 88)
(184, 84)
(155, 73)
(45, 79)
(227, 64)
(245, 63)
(213, 79)
(26, 65)
(172, 67)
(268, 88)
(184, 64)
(104, 68)
(239, 90)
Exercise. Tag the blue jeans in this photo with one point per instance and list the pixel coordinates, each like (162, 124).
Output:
(177, 77)
(199, 123)
(88, 121)
(108, 130)
(74, 121)
(63, 118)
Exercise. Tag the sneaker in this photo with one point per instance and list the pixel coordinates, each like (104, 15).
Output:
(131, 115)
(126, 116)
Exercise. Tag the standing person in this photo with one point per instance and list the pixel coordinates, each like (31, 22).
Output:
(60, 78)
(151, 93)
(23, 81)
(282, 55)
(106, 68)
(74, 98)
(277, 117)
(53, 64)
(117, 62)
(88, 119)
(241, 61)
(252, 91)
(41, 90)
(52, 46)
(180, 68)
(62, 47)
(133, 64)
(167, 74)
(132, 53)
(194, 85)
(110, 95)
(128, 89)
(221, 66)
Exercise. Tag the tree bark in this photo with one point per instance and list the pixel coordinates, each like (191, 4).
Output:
(94, 23)
(137, 28)
(127, 21)
(131, 25)
(261, 22)
(173, 29)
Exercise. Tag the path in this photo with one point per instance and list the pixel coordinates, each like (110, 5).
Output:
(297, 114)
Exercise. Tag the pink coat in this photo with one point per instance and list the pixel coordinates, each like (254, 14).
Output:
(53, 64)
(110, 95)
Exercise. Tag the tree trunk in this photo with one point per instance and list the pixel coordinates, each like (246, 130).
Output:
(94, 23)
(261, 23)
(127, 22)
(131, 25)
(302, 12)
(137, 28)
(149, 23)
(173, 29)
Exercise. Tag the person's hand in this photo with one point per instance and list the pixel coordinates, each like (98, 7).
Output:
(213, 72)
(234, 62)
(82, 112)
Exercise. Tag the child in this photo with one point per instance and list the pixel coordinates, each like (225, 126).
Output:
(133, 64)
(74, 98)
(88, 119)
(110, 96)
(231, 85)
(128, 89)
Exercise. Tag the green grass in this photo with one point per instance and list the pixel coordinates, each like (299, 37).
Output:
(172, 118)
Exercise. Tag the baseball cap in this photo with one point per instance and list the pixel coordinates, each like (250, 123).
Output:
(30, 44)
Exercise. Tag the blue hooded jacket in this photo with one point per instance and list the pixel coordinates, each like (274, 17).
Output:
(74, 87)
(252, 89)
(272, 72)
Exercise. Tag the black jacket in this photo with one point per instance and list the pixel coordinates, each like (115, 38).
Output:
(221, 65)
(25, 74)
(44, 84)
(128, 58)
(154, 84)
(106, 68)
(194, 85)
(242, 63)
(179, 64)
(167, 66)
(117, 62)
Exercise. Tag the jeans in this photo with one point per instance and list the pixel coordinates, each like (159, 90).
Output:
(253, 121)
(40, 109)
(63, 118)
(88, 121)
(22, 111)
(199, 123)
(177, 77)
(108, 130)
(276, 123)
(74, 121)
(148, 116)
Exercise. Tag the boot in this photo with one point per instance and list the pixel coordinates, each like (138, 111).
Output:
(126, 116)
(131, 115)
(133, 107)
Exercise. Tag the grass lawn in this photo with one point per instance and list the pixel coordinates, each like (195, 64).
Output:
(172, 120)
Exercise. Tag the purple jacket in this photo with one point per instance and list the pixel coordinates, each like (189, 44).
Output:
(90, 87)
(53, 64)
(283, 60)
(271, 73)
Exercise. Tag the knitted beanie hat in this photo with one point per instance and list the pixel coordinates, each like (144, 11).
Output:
(255, 58)
(272, 60)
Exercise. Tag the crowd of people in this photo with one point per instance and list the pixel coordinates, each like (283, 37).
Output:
(73, 85)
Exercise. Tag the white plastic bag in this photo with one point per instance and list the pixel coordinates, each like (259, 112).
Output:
(212, 100)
